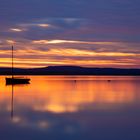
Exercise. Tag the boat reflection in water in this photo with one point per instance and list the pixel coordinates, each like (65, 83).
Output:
(15, 83)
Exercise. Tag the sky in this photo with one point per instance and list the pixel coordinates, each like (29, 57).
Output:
(89, 33)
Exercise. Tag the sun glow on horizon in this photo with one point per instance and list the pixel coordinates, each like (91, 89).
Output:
(42, 53)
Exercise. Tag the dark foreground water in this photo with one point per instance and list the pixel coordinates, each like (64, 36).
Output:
(71, 108)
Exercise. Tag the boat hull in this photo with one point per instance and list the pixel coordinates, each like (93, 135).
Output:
(10, 81)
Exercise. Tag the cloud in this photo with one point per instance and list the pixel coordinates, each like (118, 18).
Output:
(16, 30)
(44, 25)
(105, 27)
(53, 41)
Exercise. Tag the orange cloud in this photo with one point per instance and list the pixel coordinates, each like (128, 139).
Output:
(38, 54)
(53, 41)
(44, 25)
(10, 41)
(71, 41)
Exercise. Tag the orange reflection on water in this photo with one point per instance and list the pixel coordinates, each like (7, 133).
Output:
(70, 94)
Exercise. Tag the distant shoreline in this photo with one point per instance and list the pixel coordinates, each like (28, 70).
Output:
(72, 70)
(61, 75)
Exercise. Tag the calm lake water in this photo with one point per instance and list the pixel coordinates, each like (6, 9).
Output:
(71, 108)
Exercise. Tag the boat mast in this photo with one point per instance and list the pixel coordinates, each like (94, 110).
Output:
(12, 62)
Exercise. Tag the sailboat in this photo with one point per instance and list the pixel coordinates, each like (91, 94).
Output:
(16, 80)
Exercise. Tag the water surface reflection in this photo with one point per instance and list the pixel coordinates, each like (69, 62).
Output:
(71, 107)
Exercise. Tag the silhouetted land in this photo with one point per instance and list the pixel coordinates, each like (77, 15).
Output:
(70, 70)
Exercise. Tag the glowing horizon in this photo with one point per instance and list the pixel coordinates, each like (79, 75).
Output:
(38, 55)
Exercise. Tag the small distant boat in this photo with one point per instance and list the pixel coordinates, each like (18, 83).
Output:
(16, 80)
